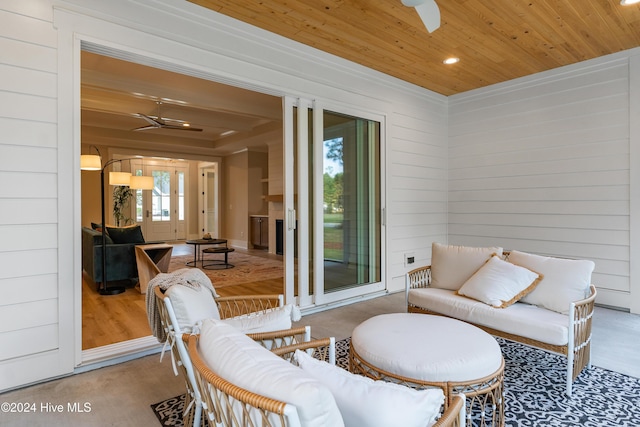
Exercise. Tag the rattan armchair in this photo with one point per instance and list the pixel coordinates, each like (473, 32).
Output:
(228, 405)
(180, 355)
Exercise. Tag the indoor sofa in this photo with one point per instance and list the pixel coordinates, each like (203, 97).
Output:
(545, 302)
(120, 248)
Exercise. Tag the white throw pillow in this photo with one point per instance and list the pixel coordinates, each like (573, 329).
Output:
(564, 280)
(499, 283)
(192, 305)
(365, 402)
(451, 265)
(273, 320)
(243, 362)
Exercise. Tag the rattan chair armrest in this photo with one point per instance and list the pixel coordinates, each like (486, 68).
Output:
(282, 338)
(323, 349)
(452, 416)
(418, 277)
(249, 297)
(591, 298)
(239, 305)
(278, 334)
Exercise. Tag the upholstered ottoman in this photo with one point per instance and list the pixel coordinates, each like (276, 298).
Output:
(424, 351)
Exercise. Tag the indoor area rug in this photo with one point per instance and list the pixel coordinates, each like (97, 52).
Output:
(534, 392)
(246, 268)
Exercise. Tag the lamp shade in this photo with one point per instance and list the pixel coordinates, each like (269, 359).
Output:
(119, 178)
(90, 162)
(141, 182)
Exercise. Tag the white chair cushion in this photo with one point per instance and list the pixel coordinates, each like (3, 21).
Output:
(525, 320)
(564, 280)
(451, 265)
(499, 283)
(272, 320)
(192, 305)
(243, 362)
(365, 402)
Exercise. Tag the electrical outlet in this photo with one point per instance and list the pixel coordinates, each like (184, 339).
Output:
(409, 258)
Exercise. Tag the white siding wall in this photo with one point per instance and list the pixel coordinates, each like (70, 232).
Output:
(416, 186)
(541, 164)
(30, 315)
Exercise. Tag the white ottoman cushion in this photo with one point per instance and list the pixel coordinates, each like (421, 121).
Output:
(425, 347)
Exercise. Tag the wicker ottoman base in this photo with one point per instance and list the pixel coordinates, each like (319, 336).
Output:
(484, 396)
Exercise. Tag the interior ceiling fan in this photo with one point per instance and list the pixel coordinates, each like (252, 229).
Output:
(428, 12)
(159, 123)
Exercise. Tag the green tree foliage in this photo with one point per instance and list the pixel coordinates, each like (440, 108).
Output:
(333, 192)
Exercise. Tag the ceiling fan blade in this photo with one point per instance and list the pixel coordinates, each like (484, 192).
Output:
(428, 11)
(181, 128)
(147, 128)
(152, 122)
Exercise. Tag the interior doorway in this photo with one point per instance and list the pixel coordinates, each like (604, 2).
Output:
(210, 121)
(208, 187)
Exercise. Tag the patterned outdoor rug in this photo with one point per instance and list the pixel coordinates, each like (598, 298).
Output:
(534, 392)
(246, 268)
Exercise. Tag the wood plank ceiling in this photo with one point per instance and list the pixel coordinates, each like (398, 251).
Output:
(496, 40)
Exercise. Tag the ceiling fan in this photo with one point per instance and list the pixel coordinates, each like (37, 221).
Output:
(428, 11)
(159, 123)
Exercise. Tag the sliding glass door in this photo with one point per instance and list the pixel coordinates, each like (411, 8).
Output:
(336, 203)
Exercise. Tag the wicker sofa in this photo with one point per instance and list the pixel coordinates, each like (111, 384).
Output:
(552, 312)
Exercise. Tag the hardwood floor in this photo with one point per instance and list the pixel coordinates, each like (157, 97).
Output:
(116, 318)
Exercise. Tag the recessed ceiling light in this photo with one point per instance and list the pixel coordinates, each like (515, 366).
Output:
(186, 125)
(628, 2)
(451, 60)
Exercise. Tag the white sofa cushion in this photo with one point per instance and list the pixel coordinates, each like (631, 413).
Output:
(564, 280)
(243, 362)
(192, 305)
(365, 402)
(451, 265)
(499, 283)
(525, 320)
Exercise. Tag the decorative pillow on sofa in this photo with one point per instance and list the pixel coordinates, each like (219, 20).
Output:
(365, 402)
(126, 234)
(564, 280)
(451, 265)
(500, 283)
(243, 362)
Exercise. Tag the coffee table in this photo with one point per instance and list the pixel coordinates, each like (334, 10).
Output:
(426, 351)
(197, 254)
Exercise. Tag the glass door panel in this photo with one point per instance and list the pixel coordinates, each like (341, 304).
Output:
(351, 202)
(333, 204)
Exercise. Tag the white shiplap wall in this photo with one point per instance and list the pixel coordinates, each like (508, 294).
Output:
(417, 187)
(30, 307)
(541, 164)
